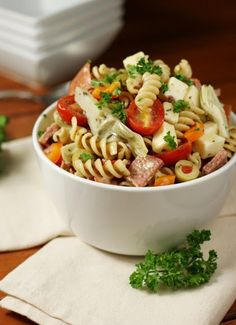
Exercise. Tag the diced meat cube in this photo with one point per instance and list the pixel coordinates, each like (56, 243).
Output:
(46, 136)
(216, 162)
(143, 169)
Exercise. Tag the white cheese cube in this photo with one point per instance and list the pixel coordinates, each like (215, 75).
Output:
(193, 96)
(133, 59)
(170, 115)
(208, 145)
(176, 89)
(158, 142)
(210, 128)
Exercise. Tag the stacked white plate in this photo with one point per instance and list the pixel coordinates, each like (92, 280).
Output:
(45, 41)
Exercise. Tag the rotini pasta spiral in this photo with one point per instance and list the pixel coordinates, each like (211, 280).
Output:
(147, 94)
(101, 147)
(62, 135)
(230, 143)
(187, 119)
(164, 171)
(126, 98)
(96, 168)
(195, 158)
(99, 72)
(134, 84)
(183, 68)
(165, 76)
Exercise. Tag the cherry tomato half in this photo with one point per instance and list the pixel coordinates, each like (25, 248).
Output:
(82, 79)
(148, 124)
(181, 153)
(67, 108)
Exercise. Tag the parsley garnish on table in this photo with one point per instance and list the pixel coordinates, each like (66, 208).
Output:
(170, 140)
(3, 122)
(179, 268)
(144, 65)
(180, 105)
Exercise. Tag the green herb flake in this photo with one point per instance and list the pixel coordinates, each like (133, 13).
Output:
(86, 156)
(179, 268)
(109, 78)
(164, 88)
(118, 110)
(96, 83)
(180, 105)
(44, 115)
(3, 123)
(104, 101)
(170, 140)
(40, 133)
(184, 79)
(144, 65)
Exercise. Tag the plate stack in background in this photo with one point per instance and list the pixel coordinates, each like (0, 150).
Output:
(44, 42)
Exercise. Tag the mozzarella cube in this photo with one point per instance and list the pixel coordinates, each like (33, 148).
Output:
(208, 145)
(176, 89)
(170, 115)
(193, 96)
(133, 59)
(210, 128)
(158, 142)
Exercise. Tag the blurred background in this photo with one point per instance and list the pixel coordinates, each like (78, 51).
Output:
(45, 45)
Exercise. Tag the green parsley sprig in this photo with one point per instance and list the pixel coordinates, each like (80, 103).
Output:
(3, 123)
(104, 101)
(86, 156)
(180, 105)
(144, 65)
(179, 268)
(184, 79)
(170, 140)
(164, 88)
(118, 110)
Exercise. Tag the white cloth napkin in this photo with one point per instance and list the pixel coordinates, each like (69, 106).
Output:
(27, 217)
(69, 282)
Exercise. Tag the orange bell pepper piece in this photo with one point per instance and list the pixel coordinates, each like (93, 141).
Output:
(195, 132)
(53, 152)
(164, 180)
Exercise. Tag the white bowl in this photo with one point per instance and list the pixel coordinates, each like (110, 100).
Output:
(128, 220)
(59, 64)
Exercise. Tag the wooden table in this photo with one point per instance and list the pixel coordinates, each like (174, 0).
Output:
(212, 55)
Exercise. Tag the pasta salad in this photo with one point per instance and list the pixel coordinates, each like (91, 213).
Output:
(140, 125)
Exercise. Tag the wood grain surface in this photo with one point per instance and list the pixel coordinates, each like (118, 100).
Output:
(206, 40)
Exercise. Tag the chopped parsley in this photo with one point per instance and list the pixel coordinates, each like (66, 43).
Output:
(180, 268)
(118, 110)
(164, 88)
(86, 156)
(109, 78)
(104, 101)
(96, 83)
(144, 65)
(170, 140)
(180, 105)
(40, 133)
(184, 79)
(3, 122)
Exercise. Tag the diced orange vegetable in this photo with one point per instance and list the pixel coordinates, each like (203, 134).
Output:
(96, 93)
(113, 86)
(53, 152)
(195, 132)
(164, 180)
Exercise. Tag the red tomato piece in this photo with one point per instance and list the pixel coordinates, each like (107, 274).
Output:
(186, 169)
(82, 79)
(148, 124)
(171, 157)
(67, 108)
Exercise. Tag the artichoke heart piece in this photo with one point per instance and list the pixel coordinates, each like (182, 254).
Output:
(111, 126)
(88, 105)
(213, 107)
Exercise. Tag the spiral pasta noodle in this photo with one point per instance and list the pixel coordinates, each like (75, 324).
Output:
(164, 171)
(62, 135)
(147, 94)
(101, 71)
(165, 76)
(100, 147)
(134, 84)
(187, 119)
(195, 158)
(230, 143)
(96, 168)
(183, 68)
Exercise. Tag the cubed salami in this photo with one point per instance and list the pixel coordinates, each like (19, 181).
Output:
(48, 134)
(143, 169)
(216, 162)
